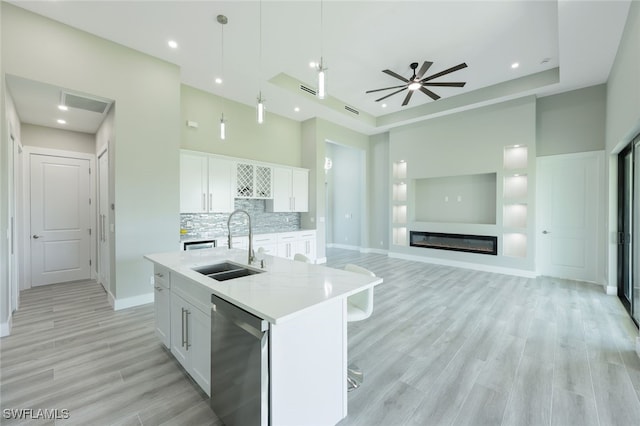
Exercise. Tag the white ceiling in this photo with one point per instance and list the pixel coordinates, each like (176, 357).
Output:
(358, 40)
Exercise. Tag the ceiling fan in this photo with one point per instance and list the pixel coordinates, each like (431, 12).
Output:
(416, 82)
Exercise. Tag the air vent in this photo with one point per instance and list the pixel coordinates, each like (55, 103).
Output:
(82, 102)
(308, 89)
(352, 110)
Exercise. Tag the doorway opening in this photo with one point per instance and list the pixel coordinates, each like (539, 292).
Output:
(628, 237)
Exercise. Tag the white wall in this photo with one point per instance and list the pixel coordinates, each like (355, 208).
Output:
(571, 122)
(379, 191)
(468, 143)
(345, 198)
(49, 137)
(10, 123)
(146, 153)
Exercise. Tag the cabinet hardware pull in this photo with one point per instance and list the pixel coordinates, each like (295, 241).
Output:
(183, 341)
(204, 201)
(187, 328)
(159, 275)
(210, 201)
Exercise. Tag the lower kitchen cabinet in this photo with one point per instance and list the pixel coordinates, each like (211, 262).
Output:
(303, 242)
(191, 340)
(161, 305)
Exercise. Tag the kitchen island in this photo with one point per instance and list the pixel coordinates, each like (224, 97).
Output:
(305, 306)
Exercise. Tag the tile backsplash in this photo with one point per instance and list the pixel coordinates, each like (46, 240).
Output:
(210, 225)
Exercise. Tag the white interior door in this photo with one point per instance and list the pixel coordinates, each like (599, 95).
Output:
(570, 217)
(103, 220)
(60, 219)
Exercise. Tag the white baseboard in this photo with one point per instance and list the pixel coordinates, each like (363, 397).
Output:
(343, 246)
(374, 250)
(466, 265)
(129, 302)
(5, 327)
(357, 248)
(611, 290)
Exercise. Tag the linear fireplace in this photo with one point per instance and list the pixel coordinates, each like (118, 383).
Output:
(482, 244)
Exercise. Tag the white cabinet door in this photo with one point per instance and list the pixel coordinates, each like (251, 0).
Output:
(290, 190)
(162, 307)
(199, 325)
(307, 246)
(300, 190)
(287, 245)
(281, 190)
(178, 330)
(191, 340)
(193, 183)
(220, 185)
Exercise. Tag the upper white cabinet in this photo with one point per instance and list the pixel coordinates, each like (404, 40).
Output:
(205, 184)
(290, 190)
(253, 181)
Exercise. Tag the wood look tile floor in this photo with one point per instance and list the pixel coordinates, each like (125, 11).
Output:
(444, 346)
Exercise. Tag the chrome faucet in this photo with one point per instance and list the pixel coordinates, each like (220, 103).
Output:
(251, 257)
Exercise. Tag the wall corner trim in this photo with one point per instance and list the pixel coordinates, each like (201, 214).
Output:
(5, 327)
(130, 302)
(611, 290)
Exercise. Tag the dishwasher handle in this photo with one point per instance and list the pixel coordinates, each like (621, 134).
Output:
(250, 323)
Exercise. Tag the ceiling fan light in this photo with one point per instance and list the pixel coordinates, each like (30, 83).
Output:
(415, 85)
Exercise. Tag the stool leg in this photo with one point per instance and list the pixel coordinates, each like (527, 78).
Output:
(355, 377)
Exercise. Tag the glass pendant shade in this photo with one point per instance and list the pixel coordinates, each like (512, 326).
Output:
(260, 109)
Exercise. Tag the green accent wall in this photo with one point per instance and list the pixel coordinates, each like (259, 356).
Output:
(146, 92)
(277, 140)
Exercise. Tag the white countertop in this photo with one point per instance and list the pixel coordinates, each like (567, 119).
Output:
(286, 288)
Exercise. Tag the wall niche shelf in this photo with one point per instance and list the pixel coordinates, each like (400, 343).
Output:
(515, 157)
(515, 195)
(399, 208)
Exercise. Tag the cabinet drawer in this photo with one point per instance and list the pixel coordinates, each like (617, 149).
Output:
(161, 276)
(264, 239)
(192, 292)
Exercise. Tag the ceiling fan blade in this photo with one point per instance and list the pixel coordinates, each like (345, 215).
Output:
(407, 98)
(429, 93)
(386, 88)
(396, 75)
(425, 66)
(447, 71)
(391, 94)
(456, 84)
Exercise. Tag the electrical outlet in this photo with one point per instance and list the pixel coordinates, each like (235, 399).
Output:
(151, 281)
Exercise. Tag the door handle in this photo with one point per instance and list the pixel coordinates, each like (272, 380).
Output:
(546, 232)
(188, 312)
(35, 237)
(183, 322)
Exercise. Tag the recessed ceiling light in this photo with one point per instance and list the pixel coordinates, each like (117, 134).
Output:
(296, 109)
(384, 105)
(515, 65)
(63, 107)
(516, 146)
(172, 44)
(60, 121)
(312, 64)
(218, 80)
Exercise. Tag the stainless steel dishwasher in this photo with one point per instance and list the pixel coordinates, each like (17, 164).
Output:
(239, 365)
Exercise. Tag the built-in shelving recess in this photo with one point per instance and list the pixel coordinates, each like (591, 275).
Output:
(399, 205)
(515, 196)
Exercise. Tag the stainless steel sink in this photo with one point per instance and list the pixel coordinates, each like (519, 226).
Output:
(226, 271)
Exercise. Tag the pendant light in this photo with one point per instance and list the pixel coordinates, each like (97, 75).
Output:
(322, 83)
(222, 20)
(260, 116)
